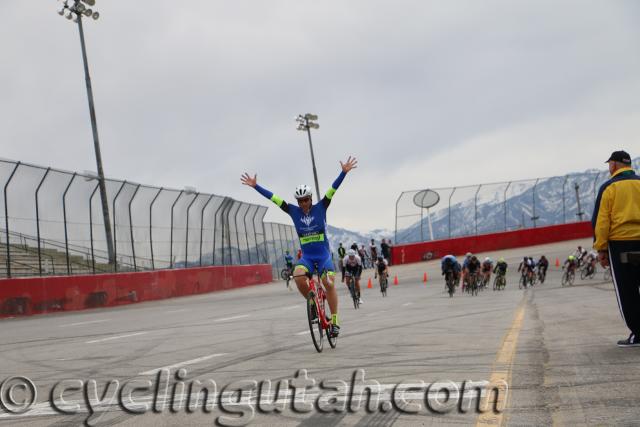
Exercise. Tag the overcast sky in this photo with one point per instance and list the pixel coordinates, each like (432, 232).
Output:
(423, 93)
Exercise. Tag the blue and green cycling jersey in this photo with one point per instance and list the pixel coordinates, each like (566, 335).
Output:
(311, 228)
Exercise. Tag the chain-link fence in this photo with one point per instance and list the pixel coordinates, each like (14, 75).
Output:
(53, 223)
(486, 208)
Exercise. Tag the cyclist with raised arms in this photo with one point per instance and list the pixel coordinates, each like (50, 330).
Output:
(310, 222)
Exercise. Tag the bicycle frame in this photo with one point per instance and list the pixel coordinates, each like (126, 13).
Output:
(319, 299)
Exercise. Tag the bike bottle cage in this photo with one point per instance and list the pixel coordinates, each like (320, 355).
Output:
(632, 258)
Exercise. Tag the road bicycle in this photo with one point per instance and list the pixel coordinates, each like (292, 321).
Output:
(319, 321)
(568, 277)
(286, 274)
(384, 282)
(485, 278)
(450, 282)
(500, 282)
(522, 283)
(533, 278)
(351, 284)
(588, 271)
(542, 275)
(473, 285)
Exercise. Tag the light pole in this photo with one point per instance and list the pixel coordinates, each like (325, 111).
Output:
(306, 123)
(74, 10)
(576, 187)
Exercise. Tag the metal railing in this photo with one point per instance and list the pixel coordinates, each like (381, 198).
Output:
(502, 206)
(55, 214)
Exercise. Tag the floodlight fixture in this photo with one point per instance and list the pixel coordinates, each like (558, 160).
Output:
(90, 2)
(95, 16)
(305, 123)
(80, 7)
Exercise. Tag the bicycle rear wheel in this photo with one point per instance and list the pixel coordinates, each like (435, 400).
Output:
(315, 326)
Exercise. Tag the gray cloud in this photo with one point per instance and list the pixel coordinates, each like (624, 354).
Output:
(196, 95)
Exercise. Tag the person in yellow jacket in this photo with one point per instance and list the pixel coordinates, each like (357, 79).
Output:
(616, 229)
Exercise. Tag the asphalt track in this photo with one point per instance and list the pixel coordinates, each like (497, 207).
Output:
(554, 346)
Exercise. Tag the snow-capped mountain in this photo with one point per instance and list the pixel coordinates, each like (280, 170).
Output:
(494, 213)
(347, 237)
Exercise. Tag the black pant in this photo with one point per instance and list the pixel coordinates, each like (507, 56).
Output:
(626, 278)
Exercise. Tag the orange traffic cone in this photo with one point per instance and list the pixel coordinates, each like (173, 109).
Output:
(557, 262)
(369, 284)
(395, 280)
(424, 278)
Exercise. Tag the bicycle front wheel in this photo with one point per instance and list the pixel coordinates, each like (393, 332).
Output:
(315, 326)
(354, 296)
(333, 340)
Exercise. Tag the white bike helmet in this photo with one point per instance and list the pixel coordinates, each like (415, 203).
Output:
(487, 259)
(351, 252)
(302, 191)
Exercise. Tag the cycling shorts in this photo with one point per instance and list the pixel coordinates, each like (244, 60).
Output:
(351, 271)
(324, 264)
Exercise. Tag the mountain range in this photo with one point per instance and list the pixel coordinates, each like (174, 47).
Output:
(495, 212)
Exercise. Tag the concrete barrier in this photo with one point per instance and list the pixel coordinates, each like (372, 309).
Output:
(36, 295)
(423, 251)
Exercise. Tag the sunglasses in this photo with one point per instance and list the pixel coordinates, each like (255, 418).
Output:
(304, 200)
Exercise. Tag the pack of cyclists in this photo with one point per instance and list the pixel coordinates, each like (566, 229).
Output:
(481, 271)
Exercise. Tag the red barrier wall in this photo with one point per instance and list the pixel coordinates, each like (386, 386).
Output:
(415, 252)
(34, 295)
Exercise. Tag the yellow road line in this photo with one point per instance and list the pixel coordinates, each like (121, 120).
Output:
(501, 375)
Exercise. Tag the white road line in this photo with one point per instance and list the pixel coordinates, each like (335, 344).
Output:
(231, 318)
(176, 311)
(302, 333)
(406, 304)
(292, 307)
(85, 323)
(187, 362)
(115, 338)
